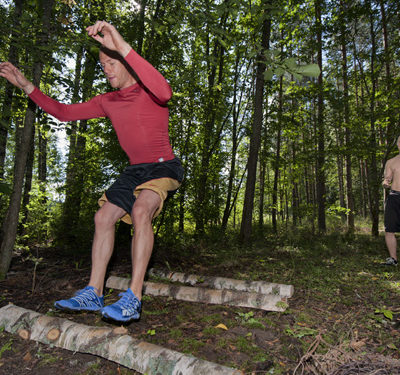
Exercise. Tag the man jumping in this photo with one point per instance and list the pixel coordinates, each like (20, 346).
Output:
(139, 116)
(391, 180)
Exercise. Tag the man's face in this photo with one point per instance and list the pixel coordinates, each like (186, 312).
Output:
(116, 72)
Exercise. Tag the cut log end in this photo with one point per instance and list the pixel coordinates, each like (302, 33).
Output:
(120, 331)
(24, 334)
(53, 334)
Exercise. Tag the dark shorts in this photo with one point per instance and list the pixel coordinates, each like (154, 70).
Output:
(392, 212)
(164, 178)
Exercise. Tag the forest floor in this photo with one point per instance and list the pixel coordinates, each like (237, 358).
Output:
(344, 315)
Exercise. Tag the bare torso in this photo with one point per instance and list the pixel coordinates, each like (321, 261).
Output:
(392, 174)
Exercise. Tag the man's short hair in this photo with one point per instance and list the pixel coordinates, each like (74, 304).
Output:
(115, 55)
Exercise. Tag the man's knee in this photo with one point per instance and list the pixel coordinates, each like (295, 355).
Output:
(145, 207)
(142, 213)
(104, 218)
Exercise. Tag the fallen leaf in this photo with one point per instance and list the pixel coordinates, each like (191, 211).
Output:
(27, 357)
(222, 326)
(357, 345)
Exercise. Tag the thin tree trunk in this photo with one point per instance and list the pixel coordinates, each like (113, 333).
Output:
(348, 145)
(76, 161)
(373, 182)
(10, 224)
(9, 89)
(28, 183)
(320, 173)
(255, 140)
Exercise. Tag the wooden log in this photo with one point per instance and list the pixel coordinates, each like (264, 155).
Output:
(102, 341)
(262, 287)
(268, 302)
(24, 334)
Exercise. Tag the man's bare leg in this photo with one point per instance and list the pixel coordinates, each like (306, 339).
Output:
(391, 243)
(142, 244)
(103, 243)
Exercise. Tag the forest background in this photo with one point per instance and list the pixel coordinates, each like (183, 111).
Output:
(284, 114)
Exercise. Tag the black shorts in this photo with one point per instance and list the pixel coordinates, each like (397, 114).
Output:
(122, 191)
(392, 212)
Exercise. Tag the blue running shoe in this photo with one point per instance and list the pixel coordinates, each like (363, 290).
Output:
(85, 299)
(126, 309)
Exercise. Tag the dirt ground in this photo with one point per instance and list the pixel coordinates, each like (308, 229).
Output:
(257, 342)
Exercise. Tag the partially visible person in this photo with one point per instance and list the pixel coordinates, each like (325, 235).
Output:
(391, 180)
(139, 114)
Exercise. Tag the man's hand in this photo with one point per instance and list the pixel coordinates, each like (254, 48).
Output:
(110, 38)
(14, 76)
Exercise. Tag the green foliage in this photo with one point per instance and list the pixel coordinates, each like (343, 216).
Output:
(6, 347)
(388, 314)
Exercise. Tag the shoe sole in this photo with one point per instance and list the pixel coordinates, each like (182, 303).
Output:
(63, 308)
(119, 320)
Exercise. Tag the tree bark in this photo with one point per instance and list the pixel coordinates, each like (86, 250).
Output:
(277, 159)
(10, 224)
(348, 145)
(255, 140)
(215, 64)
(262, 287)
(9, 89)
(109, 343)
(373, 182)
(320, 173)
(266, 302)
(76, 157)
(28, 182)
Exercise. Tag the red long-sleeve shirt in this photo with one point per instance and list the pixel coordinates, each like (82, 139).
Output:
(138, 113)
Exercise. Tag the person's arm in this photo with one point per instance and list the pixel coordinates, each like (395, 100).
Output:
(107, 35)
(14, 76)
(63, 112)
(68, 112)
(150, 77)
(387, 175)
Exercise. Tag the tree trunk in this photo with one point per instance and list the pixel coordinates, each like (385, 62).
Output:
(267, 302)
(348, 145)
(277, 159)
(262, 287)
(255, 140)
(320, 173)
(76, 158)
(28, 182)
(112, 344)
(10, 224)
(215, 63)
(140, 29)
(373, 181)
(236, 109)
(9, 89)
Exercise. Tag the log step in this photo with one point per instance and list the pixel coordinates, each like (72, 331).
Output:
(268, 302)
(105, 342)
(262, 287)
